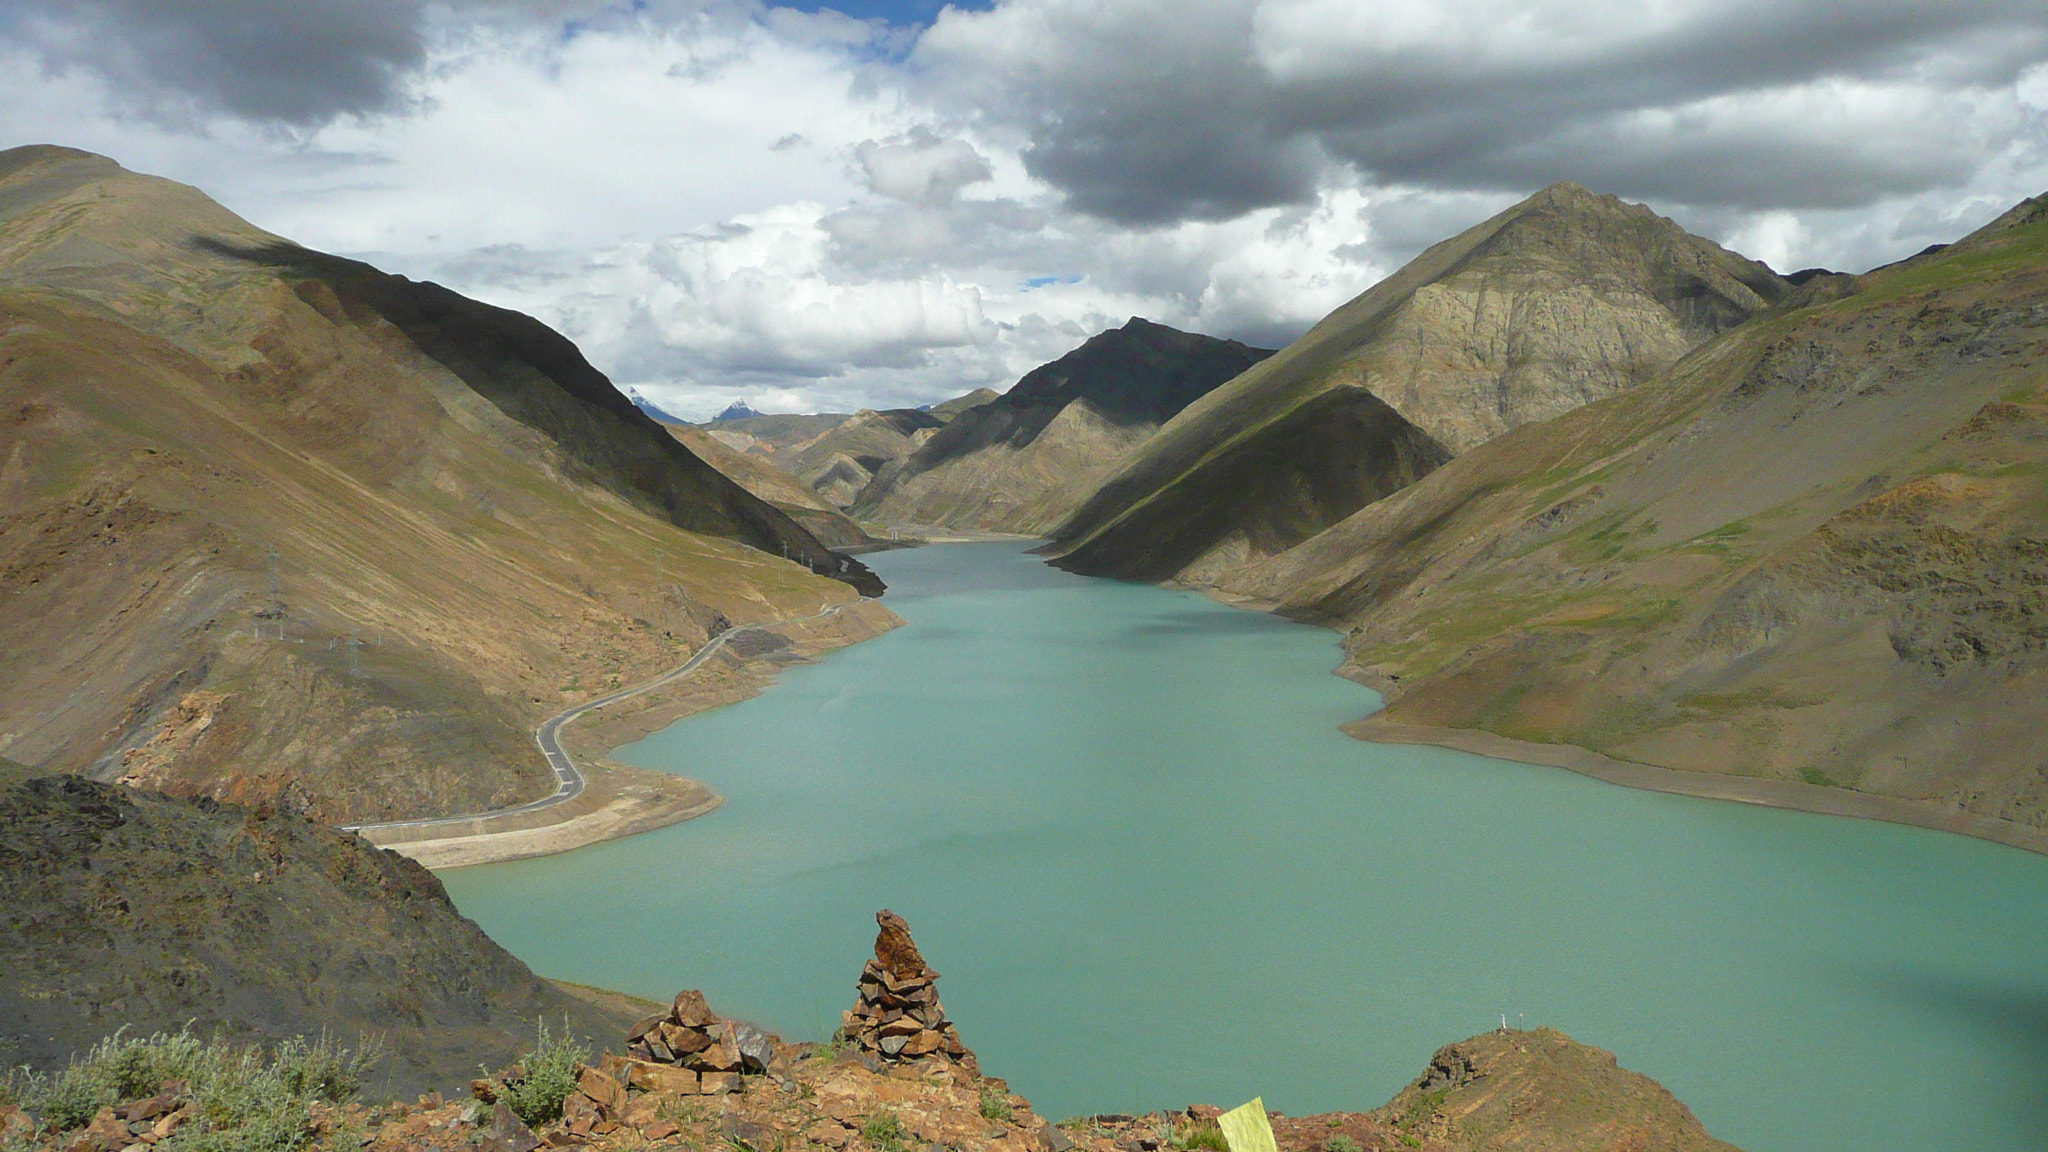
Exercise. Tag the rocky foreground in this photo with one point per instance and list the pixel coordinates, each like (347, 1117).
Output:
(897, 1078)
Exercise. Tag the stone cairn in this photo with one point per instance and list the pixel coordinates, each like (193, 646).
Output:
(898, 1019)
(696, 1051)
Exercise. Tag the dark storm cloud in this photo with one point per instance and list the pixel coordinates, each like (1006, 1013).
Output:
(288, 61)
(1170, 112)
(1593, 120)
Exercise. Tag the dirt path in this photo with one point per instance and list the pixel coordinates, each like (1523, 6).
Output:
(603, 799)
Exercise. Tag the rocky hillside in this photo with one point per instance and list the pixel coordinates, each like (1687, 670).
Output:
(758, 473)
(839, 462)
(1812, 554)
(281, 528)
(125, 909)
(1539, 1091)
(1563, 299)
(1025, 461)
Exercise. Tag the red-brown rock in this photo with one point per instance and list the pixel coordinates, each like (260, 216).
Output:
(895, 951)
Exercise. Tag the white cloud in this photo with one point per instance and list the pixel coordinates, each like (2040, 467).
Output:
(720, 199)
(921, 167)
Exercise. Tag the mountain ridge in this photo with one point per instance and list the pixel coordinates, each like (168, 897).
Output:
(1806, 555)
(1562, 298)
(1021, 462)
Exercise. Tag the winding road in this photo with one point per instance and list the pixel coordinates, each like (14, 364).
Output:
(569, 782)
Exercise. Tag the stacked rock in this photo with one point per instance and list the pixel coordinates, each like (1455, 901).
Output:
(898, 1018)
(698, 1052)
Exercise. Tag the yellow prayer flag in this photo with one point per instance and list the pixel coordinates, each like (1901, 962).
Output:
(1246, 1129)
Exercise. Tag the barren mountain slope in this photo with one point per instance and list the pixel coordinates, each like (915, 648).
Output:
(838, 462)
(223, 460)
(758, 474)
(1024, 462)
(1816, 550)
(124, 909)
(1563, 299)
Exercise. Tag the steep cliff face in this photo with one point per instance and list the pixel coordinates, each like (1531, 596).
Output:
(1025, 461)
(1563, 299)
(278, 527)
(1813, 551)
(124, 909)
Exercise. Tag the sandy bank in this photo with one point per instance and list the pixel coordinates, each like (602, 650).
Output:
(619, 799)
(1741, 789)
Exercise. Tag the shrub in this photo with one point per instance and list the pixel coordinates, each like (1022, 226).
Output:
(241, 1099)
(550, 1068)
(1342, 1143)
(1206, 1136)
(994, 1105)
(886, 1132)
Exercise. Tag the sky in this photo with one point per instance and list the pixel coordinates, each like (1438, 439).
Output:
(892, 202)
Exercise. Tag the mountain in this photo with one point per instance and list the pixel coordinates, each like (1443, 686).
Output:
(948, 409)
(1024, 461)
(1565, 298)
(1809, 557)
(757, 473)
(737, 410)
(659, 414)
(125, 909)
(278, 527)
(838, 462)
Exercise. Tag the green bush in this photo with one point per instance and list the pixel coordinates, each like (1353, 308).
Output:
(1207, 1136)
(1342, 1143)
(550, 1068)
(242, 1100)
(994, 1105)
(886, 1132)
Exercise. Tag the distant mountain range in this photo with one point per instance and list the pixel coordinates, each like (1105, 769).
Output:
(1023, 461)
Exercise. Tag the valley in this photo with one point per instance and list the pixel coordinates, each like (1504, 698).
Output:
(304, 560)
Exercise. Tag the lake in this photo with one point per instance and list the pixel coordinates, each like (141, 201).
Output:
(1122, 822)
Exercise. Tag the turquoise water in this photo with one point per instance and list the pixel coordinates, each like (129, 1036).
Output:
(1123, 824)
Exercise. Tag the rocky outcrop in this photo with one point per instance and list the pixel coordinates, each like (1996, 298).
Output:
(1539, 1091)
(1561, 300)
(122, 909)
(1023, 462)
(898, 1018)
(1811, 554)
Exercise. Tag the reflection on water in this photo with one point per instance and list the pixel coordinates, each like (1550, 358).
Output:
(1124, 825)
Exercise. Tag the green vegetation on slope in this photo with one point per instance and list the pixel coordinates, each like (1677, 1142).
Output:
(1809, 552)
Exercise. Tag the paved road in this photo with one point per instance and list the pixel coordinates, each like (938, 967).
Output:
(569, 782)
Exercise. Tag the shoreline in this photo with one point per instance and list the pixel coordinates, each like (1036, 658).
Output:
(620, 800)
(1791, 795)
